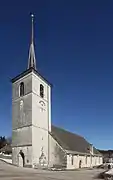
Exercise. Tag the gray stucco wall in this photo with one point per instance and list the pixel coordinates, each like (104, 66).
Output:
(27, 150)
(86, 161)
(31, 119)
(22, 136)
(57, 156)
(27, 86)
(22, 112)
(22, 106)
(22, 120)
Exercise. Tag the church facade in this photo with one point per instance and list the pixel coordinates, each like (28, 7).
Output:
(35, 141)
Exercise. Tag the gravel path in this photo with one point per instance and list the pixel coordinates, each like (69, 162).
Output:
(10, 172)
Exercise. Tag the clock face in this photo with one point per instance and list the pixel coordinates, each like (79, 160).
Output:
(42, 106)
(42, 103)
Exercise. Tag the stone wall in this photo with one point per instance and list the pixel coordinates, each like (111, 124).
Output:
(83, 161)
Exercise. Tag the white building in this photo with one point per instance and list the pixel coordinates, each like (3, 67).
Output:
(35, 142)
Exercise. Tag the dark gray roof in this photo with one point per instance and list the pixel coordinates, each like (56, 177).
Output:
(70, 141)
(27, 72)
(6, 148)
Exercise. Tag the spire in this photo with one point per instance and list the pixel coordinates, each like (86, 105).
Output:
(32, 59)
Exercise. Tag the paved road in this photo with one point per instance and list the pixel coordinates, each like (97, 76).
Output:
(10, 172)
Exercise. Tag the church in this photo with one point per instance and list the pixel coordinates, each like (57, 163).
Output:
(35, 141)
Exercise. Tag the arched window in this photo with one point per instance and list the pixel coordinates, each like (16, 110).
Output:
(41, 90)
(21, 89)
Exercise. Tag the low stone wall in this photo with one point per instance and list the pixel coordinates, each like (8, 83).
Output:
(5, 156)
(9, 161)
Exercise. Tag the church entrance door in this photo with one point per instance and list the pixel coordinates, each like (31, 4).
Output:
(21, 159)
(80, 164)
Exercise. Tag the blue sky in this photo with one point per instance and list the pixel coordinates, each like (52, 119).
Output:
(74, 51)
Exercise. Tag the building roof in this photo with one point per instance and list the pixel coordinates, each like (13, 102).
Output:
(6, 148)
(72, 142)
(26, 72)
(105, 151)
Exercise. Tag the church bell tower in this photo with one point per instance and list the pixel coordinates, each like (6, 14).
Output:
(31, 114)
